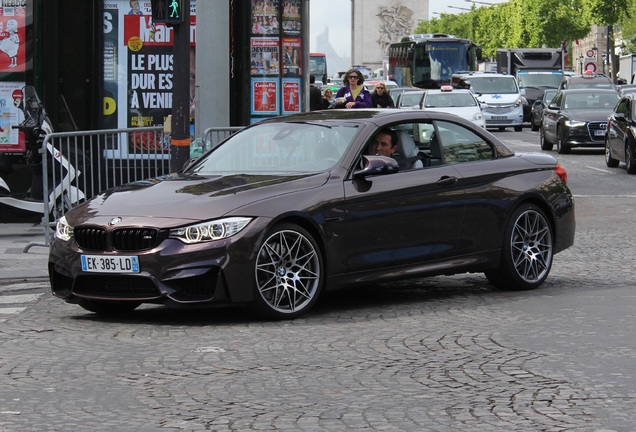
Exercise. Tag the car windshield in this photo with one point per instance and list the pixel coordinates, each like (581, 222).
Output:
(499, 85)
(279, 148)
(449, 100)
(539, 79)
(591, 83)
(590, 101)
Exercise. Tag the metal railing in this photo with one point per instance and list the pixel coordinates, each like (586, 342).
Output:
(77, 166)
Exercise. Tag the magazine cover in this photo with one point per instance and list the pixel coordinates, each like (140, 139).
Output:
(12, 38)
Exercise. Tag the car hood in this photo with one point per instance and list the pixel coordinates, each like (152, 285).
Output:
(181, 198)
(498, 98)
(587, 114)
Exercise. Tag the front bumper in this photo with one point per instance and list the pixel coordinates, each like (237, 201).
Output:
(172, 273)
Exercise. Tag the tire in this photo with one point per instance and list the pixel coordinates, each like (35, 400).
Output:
(288, 272)
(533, 126)
(609, 160)
(518, 128)
(545, 144)
(562, 148)
(110, 308)
(629, 159)
(527, 252)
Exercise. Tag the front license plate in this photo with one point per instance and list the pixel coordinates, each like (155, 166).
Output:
(599, 132)
(499, 118)
(107, 264)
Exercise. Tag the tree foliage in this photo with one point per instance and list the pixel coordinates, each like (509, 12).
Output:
(518, 24)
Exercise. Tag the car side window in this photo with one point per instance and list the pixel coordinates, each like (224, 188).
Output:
(459, 144)
(623, 106)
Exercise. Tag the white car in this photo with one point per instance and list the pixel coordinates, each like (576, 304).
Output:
(455, 101)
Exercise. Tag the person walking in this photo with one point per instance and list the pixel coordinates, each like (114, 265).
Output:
(315, 96)
(380, 98)
(353, 94)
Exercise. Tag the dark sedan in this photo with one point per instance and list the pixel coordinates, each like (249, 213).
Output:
(577, 118)
(536, 112)
(620, 141)
(293, 206)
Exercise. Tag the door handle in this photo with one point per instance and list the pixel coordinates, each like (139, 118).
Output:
(447, 180)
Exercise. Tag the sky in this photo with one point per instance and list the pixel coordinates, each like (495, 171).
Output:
(336, 15)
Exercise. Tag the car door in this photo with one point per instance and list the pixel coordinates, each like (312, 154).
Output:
(405, 217)
(551, 118)
(618, 125)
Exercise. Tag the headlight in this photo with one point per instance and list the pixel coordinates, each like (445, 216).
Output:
(521, 101)
(574, 123)
(212, 230)
(478, 116)
(63, 230)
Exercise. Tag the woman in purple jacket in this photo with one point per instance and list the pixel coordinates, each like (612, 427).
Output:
(353, 94)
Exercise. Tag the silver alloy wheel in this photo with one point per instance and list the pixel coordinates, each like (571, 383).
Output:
(531, 246)
(288, 272)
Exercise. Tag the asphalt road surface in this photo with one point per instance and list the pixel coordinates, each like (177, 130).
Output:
(436, 354)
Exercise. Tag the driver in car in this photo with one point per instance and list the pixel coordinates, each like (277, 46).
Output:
(384, 143)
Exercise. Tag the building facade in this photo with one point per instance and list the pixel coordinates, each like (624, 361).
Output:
(378, 23)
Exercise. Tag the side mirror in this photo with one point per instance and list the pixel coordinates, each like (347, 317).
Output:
(376, 165)
(553, 106)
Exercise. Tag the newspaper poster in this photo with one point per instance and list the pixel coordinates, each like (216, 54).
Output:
(264, 96)
(264, 56)
(11, 114)
(138, 68)
(13, 37)
(291, 56)
(291, 17)
(265, 17)
(291, 95)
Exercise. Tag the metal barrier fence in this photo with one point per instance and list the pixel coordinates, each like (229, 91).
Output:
(77, 166)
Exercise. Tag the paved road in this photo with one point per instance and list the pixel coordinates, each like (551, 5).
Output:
(437, 354)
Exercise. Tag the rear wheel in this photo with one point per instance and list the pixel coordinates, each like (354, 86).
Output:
(288, 273)
(533, 126)
(545, 144)
(527, 251)
(609, 160)
(629, 159)
(562, 147)
(106, 307)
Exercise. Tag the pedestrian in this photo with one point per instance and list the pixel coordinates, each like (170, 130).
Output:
(315, 97)
(327, 98)
(353, 94)
(380, 98)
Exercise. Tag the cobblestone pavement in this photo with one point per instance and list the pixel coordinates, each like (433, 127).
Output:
(438, 354)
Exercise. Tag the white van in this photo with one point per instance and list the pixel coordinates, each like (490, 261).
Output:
(500, 97)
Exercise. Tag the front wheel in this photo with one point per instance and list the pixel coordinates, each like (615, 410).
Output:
(288, 273)
(545, 144)
(609, 160)
(562, 147)
(518, 128)
(527, 251)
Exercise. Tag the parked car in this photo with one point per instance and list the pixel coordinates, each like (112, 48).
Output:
(538, 106)
(586, 80)
(296, 205)
(455, 101)
(499, 95)
(577, 118)
(409, 99)
(620, 140)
